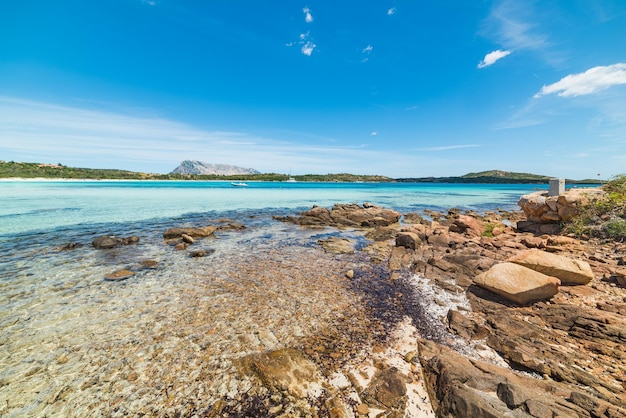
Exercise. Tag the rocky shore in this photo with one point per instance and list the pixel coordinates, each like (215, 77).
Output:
(562, 337)
(383, 314)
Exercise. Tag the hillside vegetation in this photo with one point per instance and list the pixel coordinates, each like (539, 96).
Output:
(606, 218)
(58, 171)
(494, 177)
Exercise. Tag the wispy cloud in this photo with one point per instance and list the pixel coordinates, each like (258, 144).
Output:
(449, 147)
(492, 57)
(509, 24)
(368, 49)
(45, 132)
(373, 133)
(308, 17)
(391, 11)
(149, 2)
(591, 81)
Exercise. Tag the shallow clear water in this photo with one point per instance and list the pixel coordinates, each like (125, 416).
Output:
(30, 206)
(166, 339)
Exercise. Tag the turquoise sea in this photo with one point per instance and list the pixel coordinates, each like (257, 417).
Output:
(164, 342)
(47, 205)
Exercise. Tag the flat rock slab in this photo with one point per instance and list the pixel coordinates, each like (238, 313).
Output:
(518, 283)
(567, 270)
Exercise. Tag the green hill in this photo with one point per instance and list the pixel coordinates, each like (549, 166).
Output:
(495, 176)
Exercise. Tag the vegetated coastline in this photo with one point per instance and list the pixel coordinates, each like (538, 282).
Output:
(27, 170)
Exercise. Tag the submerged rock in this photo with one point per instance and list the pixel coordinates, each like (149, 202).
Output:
(284, 370)
(118, 275)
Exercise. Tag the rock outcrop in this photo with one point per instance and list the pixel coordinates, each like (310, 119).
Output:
(199, 167)
(346, 215)
(544, 209)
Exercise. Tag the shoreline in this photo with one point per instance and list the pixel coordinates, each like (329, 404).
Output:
(420, 320)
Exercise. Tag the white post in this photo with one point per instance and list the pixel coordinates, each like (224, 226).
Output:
(557, 187)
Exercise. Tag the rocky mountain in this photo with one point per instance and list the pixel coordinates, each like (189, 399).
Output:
(199, 167)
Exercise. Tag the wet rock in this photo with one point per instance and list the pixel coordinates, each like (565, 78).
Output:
(201, 253)
(111, 241)
(105, 242)
(337, 245)
(180, 246)
(517, 283)
(118, 275)
(149, 264)
(567, 270)
(200, 232)
(284, 370)
(187, 239)
(70, 246)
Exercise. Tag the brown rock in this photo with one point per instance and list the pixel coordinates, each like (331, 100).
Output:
(467, 224)
(186, 238)
(408, 240)
(337, 245)
(568, 270)
(287, 369)
(517, 283)
(200, 232)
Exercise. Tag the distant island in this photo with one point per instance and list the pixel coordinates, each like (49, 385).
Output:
(197, 170)
(494, 177)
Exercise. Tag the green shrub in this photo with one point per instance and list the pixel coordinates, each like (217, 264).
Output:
(605, 218)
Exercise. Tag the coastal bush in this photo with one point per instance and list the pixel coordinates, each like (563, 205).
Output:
(605, 218)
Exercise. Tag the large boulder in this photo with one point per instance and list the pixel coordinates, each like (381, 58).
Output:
(568, 270)
(517, 283)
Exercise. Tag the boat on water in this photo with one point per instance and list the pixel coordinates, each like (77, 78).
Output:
(291, 180)
(239, 184)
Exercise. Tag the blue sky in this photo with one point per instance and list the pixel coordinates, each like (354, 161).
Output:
(392, 87)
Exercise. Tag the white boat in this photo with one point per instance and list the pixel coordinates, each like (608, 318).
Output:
(239, 184)
(291, 180)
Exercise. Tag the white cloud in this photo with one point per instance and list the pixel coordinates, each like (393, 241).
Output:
(368, 49)
(492, 57)
(149, 2)
(373, 133)
(308, 17)
(307, 45)
(391, 11)
(307, 48)
(591, 81)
